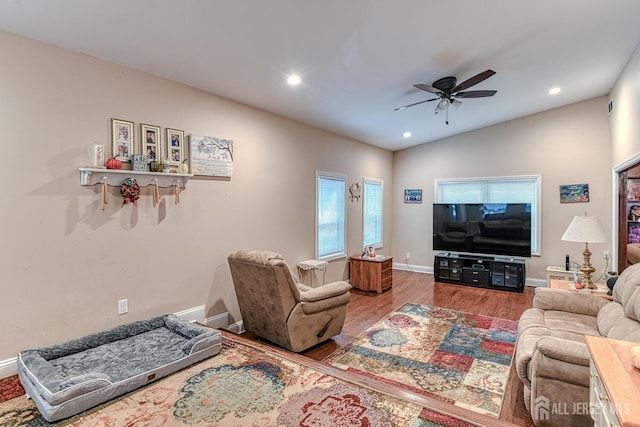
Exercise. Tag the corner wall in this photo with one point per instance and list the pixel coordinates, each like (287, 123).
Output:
(568, 145)
(65, 262)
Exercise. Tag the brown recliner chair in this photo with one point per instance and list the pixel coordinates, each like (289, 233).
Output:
(276, 307)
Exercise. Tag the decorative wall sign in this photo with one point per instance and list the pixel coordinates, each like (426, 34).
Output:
(413, 196)
(211, 156)
(574, 193)
(140, 163)
(98, 155)
(122, 140)
(151, 141)
(175, 146)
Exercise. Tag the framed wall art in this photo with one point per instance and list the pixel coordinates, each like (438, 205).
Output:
(211, 156)
(175, 146)
(122, 139)
(413, 196)
(151, 141)
(574, 193)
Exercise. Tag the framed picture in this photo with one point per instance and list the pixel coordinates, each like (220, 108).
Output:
(98, 155)
(211, 156)
(413, 196)
(122, 139)
(574, 193)
(175, 146)
(151, 141)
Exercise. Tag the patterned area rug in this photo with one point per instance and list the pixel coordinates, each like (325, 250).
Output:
(244, 386)
(453, 356)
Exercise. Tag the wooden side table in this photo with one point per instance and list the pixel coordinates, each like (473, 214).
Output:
(567, 284)
(371, 274)
(614, 388)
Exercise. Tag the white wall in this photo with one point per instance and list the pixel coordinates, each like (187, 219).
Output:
(65, 262)
(568, 145)
(625, 122)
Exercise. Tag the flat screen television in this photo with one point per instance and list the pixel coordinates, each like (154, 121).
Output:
(483, 228)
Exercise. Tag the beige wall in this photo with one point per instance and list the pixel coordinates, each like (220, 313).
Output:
(65, 262)
(568, 145)
(625, 123)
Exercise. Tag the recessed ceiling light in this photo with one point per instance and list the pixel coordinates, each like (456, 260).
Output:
(554, 91)
(407, 135)
(294, 80)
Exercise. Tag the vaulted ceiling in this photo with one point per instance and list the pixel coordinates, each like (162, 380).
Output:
(358, 59)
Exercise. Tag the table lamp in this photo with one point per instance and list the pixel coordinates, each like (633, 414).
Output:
(586, 229)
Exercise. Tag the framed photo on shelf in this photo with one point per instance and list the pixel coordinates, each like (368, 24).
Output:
(574, 193)
(413, 196)
(151, 141)
(175, 146)
(122, 140)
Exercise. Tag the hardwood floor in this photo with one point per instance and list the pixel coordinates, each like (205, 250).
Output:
(366, 308)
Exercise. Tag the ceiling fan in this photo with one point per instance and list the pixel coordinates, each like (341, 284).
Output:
(447, 92)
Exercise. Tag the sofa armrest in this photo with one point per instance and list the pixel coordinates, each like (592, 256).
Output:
(323, 292)
(568, 301)
(561, 360)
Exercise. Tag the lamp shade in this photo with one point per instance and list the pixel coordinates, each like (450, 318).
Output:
(585, 229)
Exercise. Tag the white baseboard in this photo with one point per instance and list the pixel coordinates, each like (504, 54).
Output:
(8, 367)
(194, 314)
(219, 321)
(414, 268)
(236, 328)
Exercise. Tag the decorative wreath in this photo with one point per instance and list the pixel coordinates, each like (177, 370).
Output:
(130, 191)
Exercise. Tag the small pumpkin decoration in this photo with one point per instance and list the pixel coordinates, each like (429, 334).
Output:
(113, 163)
(183, 167)
(155, 166)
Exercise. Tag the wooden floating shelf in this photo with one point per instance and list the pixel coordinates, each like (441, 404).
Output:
(115, 177)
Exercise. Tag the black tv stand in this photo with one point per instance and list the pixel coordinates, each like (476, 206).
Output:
(496, 272)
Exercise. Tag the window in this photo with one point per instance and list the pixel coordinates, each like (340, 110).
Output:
(330, 216)
(516, 189)
(372, 212)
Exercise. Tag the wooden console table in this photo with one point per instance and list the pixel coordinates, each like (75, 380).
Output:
(566, 284)
(371, 274)
(614, 389)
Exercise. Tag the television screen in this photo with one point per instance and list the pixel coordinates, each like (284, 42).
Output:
(483, 228)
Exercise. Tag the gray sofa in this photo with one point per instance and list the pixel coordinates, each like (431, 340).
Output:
(66, 379)
(552, 359)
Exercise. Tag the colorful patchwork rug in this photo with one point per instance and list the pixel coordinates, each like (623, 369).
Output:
(244, 386)
(453, 356)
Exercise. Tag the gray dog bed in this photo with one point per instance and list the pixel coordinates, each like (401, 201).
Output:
(66, 379)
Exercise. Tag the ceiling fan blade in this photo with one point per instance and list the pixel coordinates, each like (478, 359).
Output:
(475, 94)
(428, 88)
(416, 103)
(473, 80)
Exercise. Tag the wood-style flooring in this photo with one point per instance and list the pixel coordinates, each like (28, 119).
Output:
(366, 308)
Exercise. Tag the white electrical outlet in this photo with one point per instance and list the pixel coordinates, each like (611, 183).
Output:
(408, 255)
(606, 254)
(123, 306)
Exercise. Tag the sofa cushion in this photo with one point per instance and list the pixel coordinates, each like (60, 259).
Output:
(626, 285)
(608, 316)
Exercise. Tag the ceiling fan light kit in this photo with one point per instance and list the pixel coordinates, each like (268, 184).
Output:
(447, 91)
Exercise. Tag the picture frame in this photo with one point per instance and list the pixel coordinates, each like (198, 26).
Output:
(98, 155)
(211, 156)
(413, 196)
(175, 146)
(574, 193)
(151, 141)
(122, 140)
